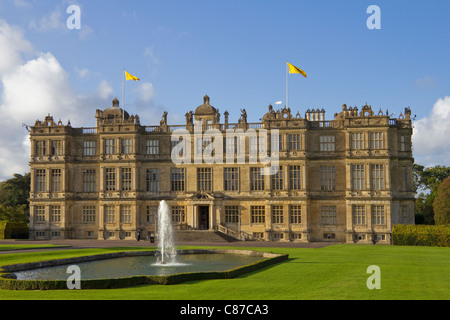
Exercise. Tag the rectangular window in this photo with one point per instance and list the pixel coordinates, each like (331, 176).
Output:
(276, 140)
(328, 214)
(110, 146)
(204, 145)
(404, 179)
(231, 214)
(327, 178)
(177, 179)
(89, 148)
(39, 214)
(253, 145)
(41, 180)
(378, 214)
(204, 179)
(110, 214)
(294, 142)
(89, 214)
(126, 179)
(256, 179)
(231, 179)
(178, 214)
(231, 145)
(294, 177)
(152, 180)
(127, 146)
(376, 140)
(377, 177)
(55, 180)
(89, 180)
(152, 147)
(56, 148)
(402, 143)
(152, 214)
(327, 143)
(357, 140)
(358, 177)
(359, 215)
(41, 148)
(110, 179)
(55, 214)
(277, 179)
(404, 214)
(177, 147)
(295, 214)
(258, 214)
(125, 214)
(277, 214)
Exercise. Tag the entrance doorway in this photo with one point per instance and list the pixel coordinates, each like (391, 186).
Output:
(203, 217)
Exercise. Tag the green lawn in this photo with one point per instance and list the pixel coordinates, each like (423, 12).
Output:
(335, 272)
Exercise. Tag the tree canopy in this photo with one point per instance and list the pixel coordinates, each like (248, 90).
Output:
(14, 194)
(427, 181)
(441, 203)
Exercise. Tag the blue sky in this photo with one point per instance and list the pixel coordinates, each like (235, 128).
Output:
(234, 51)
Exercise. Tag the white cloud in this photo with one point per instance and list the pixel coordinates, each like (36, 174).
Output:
(83, 72)
(146, 92)
(52, 21)
(21, 4)
(105, 90)
(31, 89)
(13, 44)
(426, 82)
(150, 53)
(431, 135)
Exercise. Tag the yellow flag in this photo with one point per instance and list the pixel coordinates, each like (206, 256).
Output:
(130, 76)
(294, 69)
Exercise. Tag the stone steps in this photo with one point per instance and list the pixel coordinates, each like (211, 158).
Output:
(201, 236)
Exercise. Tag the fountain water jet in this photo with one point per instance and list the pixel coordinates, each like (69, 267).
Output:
(165, 234)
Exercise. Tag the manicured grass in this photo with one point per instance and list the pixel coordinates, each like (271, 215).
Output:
(335, 272)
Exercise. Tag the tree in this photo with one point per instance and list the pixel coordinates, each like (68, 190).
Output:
(17, 213)
(427, 180)
(441, 203)
(14, 194)
(15, 191)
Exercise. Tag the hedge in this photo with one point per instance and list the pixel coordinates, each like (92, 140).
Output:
(13, 230)
(8, 281)
(421, 235)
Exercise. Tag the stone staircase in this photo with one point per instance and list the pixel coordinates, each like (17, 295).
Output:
(201, 236)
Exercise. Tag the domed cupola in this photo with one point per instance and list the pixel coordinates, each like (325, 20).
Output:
(206, 112)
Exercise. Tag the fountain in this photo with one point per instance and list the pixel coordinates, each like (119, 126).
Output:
(166, 245)
(158, 265)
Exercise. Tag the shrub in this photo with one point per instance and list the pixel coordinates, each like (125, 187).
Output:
(421, 235)
(13, 230)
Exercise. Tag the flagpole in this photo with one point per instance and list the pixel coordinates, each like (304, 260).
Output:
(287, 86)
(123, 96)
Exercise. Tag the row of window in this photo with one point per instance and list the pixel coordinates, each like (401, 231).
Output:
(232, 214)
(292, 142)
(231, 179)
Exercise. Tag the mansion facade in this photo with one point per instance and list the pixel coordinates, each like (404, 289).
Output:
(345, 180)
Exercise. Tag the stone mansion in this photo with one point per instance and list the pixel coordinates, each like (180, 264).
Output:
(346, 180)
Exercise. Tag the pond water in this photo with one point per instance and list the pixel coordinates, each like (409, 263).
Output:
(142, 265)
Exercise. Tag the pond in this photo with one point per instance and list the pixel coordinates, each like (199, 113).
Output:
(143, 265)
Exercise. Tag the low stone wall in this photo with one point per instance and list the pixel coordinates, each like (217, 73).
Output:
(8, 281)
